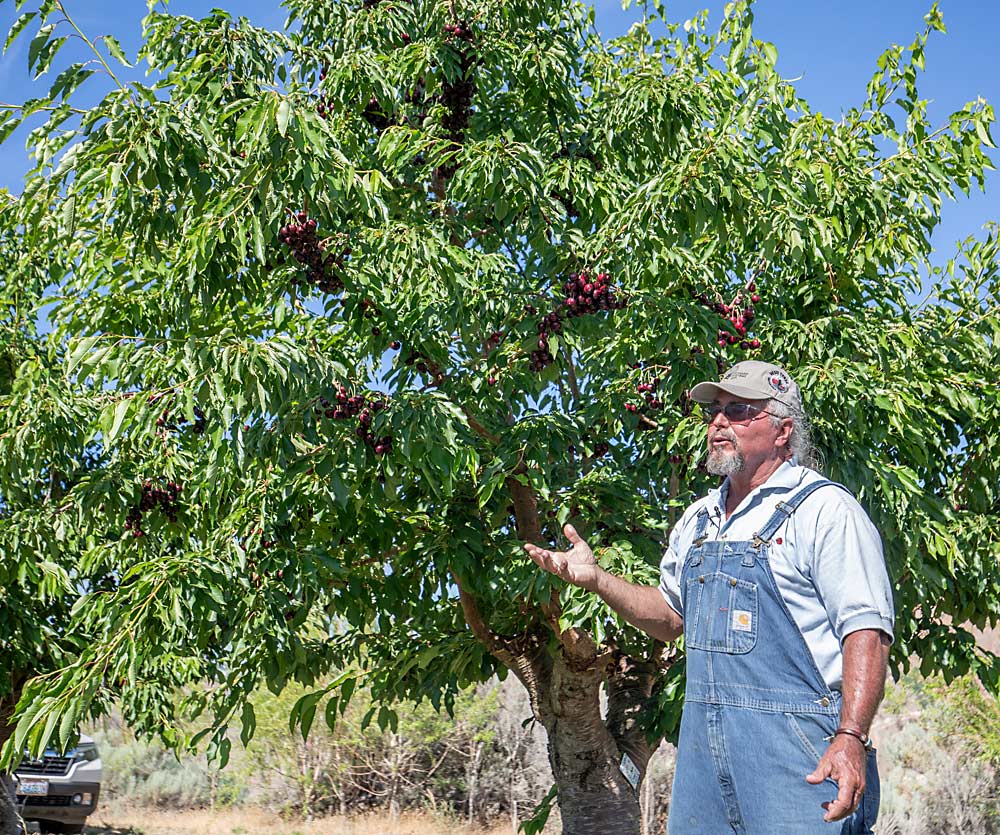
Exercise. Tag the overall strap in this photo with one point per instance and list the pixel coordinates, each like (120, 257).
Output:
(784, 510)
(699, 533)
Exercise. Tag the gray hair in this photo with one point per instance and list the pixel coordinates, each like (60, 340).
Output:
(800, 444)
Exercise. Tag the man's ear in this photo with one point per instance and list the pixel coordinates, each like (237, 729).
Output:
(785, 435)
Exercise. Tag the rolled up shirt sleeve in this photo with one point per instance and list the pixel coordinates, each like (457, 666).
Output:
(670, 570)
(848, 570)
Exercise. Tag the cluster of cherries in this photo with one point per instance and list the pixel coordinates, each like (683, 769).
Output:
(585, 294)
(307, 248)
(739, 314)
(460, 30)
(422, 363)
(153, 496)
(324, 107)
(652, 404)
(374, 114)
(542, 356)
(257, 574)
(367, 309)
(598, 449)
(357, 406)
(456, 94)
(198, 427)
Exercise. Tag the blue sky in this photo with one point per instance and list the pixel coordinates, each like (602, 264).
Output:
(830, 47)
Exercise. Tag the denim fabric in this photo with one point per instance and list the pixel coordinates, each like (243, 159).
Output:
(757, 711)
(827, 559)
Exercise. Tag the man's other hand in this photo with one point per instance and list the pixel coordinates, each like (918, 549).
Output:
(576, 566)
(844, 763)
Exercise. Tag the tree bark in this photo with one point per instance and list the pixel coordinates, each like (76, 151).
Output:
(9, 819)
(475, 758)
(585, 749)
(564, 686)
(394, 785)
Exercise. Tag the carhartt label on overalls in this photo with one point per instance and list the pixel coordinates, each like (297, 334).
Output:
(742, 621)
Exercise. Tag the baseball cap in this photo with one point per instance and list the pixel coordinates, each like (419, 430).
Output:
(752, 380)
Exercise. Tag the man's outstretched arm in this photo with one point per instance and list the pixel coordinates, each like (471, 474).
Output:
(642, 606)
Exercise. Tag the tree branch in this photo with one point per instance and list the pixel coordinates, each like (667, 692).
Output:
(579, 646)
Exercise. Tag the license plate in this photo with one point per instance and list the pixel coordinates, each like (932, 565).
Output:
(33, 787)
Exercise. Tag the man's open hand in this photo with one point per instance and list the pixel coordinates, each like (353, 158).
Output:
(844, 763)
(576, 566)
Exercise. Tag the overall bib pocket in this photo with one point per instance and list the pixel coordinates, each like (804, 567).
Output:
(721, 613)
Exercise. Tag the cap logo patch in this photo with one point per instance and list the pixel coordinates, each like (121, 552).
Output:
(778, 380)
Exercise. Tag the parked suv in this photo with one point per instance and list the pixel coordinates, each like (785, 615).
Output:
(59, 791)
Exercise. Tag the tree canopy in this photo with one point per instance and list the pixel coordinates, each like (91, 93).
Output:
(304, 335)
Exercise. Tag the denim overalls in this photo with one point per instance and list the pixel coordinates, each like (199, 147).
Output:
(757, 712)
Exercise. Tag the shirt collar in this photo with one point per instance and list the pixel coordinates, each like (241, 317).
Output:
(786, 477)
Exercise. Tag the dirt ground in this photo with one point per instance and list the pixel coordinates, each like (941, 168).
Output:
(117, 820)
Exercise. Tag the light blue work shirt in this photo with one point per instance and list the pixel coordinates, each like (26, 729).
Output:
(826, 559)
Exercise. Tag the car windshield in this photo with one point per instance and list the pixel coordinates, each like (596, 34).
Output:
(83, 751)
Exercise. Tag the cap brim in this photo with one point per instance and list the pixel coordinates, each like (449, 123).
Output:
(708, 392)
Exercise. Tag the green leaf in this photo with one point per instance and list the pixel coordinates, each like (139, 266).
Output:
(249, 721)
(17, 28)
(38, 44)
(984, 134)
(69, 215)
(308, 714)
(80, 350)
(121, 409)
(47, 53)
(283, 114)
(331, 712)
(67, 727)
(116, 50)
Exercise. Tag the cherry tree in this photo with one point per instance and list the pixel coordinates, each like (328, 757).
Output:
(338, 317)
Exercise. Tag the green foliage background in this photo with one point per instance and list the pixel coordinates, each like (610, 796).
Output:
(675, 159)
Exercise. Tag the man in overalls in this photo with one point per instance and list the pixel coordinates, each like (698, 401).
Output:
(778, 582)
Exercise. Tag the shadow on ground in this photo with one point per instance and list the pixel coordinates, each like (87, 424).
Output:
(111, 830)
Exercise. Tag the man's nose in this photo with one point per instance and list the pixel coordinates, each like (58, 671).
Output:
(715, 421)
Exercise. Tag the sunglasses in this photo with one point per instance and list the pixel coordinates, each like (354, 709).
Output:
(734, 412)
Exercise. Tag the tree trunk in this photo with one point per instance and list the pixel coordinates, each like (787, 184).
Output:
(564, 686)
(585, 750)
(340, 780)
(475, 758)
(512, 791)
(9, 819)
(394, 784)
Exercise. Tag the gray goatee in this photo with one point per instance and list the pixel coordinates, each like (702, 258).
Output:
(725, 462)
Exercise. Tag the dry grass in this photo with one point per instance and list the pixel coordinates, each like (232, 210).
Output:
(125, 820)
